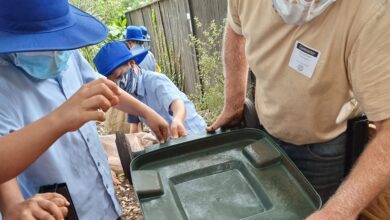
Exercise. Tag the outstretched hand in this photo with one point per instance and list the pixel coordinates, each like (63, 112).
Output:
(158, 125)
(88, 103)
(178, 129)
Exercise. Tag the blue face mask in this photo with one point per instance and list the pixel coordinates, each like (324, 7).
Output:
(129, 81)
(42, 65)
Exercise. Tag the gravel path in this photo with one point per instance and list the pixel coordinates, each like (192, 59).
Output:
(128, 200)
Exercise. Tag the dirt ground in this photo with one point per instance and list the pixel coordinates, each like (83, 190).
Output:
(128, 200)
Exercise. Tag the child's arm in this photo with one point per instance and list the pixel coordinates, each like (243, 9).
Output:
(41, 206)
(179, 116)
(20, 148)
(134, 128)
(131, 105)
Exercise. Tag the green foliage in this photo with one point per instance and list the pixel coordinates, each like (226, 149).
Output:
(111, 13)
(209, 98)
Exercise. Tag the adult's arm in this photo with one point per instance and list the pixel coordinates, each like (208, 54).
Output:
(236, 75)
(369, 177)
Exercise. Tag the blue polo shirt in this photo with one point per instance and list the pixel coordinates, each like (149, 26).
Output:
(149, 62)
(158, 92)
(78, 157)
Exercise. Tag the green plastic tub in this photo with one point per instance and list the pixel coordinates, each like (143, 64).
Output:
(234, 175)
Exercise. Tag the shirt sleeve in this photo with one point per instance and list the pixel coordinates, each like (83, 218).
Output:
(369, 66)
(167, 91)
(10, 121)
(132, 119)
(233, 16)
(88, 73)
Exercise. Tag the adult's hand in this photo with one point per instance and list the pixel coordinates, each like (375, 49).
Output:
(88, 103)
(47, 206)
(228, 118)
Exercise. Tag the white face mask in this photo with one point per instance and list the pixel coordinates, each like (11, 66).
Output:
(298, 12)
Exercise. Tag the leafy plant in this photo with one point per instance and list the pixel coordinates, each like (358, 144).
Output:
(117, 29)
(209, 98)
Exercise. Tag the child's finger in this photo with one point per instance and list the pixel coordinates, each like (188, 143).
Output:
(42, 214)
(174, 132)
(107, 82)
(64, 211)
(50, 196)
(97, 102)
(51, 208)
(165, 133)
(113, 86)
(94, 116)
(27, 216)
(101, 89)
(159, 136)
(60, 202)
(182, 132)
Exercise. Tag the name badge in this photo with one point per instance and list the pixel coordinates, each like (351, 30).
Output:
(304, 59)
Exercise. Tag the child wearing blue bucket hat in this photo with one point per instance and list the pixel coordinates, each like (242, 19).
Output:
(48, 93)
(135, 39)
(120, 65)
(145, 34)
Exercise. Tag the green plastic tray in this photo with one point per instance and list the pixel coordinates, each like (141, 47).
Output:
(234, 175)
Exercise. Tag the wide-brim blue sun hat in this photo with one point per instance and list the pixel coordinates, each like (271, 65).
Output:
(46, 25)
(134, 33)
(114, 54)
(145, 34)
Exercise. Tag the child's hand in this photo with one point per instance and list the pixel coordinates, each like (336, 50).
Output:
(87, 104)
(177, 129)
(158, 125)
(48, 206)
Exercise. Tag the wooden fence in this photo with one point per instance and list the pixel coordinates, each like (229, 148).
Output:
(170, 23)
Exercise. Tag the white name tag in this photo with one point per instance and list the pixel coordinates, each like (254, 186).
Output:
(304, 59)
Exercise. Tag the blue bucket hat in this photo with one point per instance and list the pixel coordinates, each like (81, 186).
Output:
(145, 34)
(135, 33)
(114, 54)
(46, 25)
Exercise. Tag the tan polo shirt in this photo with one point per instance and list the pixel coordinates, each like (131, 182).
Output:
(305, 74)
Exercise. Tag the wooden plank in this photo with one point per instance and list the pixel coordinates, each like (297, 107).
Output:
(128, 18)
(191, 78)
(137, 18)
(147, 17)
(174, 23)
(170, 33)
(222, 10)
(208, 10)
(170, 46)
(158, 35)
